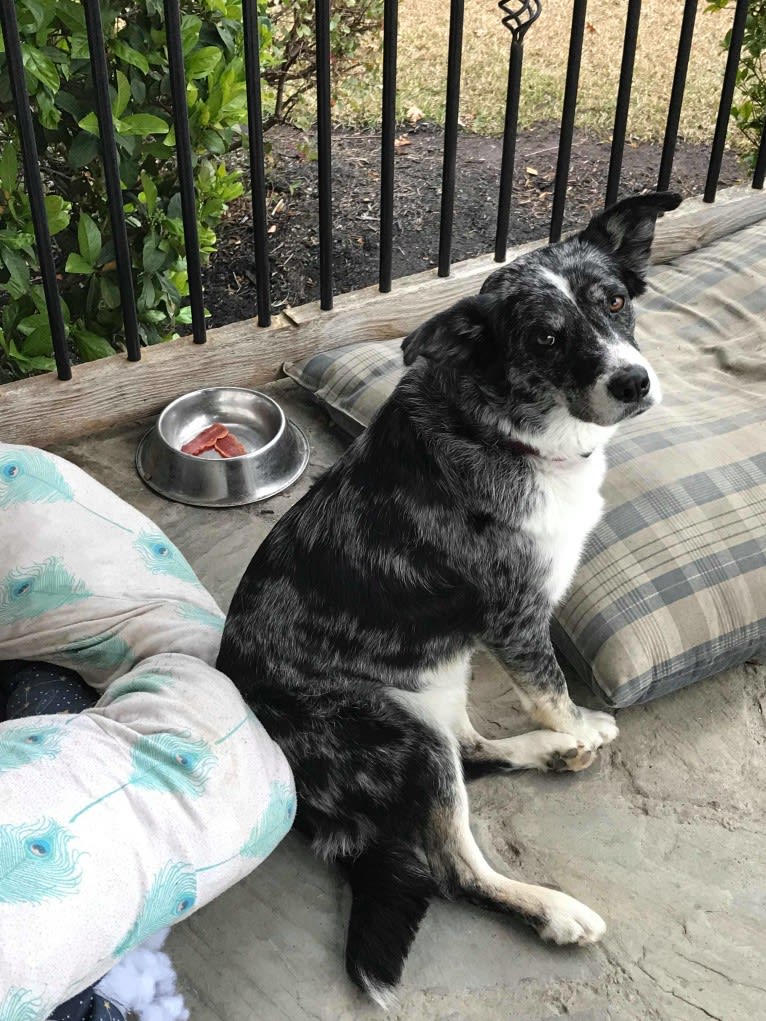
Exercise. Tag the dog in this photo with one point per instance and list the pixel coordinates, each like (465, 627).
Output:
(457, 518)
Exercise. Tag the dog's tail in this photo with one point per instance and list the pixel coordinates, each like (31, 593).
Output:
(391, 890)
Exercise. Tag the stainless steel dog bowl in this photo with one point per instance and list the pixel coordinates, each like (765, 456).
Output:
(277, 450)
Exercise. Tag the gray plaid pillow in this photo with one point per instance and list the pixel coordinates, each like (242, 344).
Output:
(672, 586)
(353, 381)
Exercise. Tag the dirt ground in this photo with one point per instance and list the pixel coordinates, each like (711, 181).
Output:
(292, 205)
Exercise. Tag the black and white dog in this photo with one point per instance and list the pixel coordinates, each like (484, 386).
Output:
(457, 518)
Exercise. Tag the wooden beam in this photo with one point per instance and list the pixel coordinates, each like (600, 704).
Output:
(43, 410)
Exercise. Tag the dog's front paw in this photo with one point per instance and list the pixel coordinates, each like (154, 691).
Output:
(593, 728)
(569, 921)
(547, 750)
(570, 758)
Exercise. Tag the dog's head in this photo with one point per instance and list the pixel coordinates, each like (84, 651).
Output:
(550, 339)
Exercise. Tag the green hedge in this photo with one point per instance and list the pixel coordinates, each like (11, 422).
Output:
(55, 52)
(58, 76)
(749, 108)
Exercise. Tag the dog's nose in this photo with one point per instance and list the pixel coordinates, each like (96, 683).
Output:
(629, 385)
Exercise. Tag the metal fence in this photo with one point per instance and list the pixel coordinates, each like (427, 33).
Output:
(518, 16)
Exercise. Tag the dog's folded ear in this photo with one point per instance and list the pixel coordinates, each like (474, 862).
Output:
(626, 231)
(458, 337)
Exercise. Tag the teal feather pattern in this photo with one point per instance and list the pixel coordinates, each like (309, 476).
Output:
(171, 763)
(29, 743)
(202, 617)
(171, 896)
(135, 684)
(273, 824)
(104, 652)
(31, 591)
(20, 1005)
(27, 476)
(37, 863)
(249, 717)
(161, 557)
(270, 828)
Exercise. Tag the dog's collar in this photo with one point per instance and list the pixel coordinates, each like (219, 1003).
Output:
(519, 449)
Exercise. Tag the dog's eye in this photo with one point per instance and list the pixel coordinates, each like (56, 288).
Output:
(547, 340)
(616, 303)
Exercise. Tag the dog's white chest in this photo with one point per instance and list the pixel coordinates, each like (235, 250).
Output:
(568, 506)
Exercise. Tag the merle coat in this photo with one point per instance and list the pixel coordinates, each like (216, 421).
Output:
(456, 519)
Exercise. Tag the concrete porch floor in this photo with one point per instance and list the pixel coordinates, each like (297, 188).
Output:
(665, 836)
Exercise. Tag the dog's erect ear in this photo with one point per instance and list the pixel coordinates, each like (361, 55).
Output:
(626, 231)
(458, 337)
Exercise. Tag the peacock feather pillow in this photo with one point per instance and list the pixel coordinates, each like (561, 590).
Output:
(127, 817)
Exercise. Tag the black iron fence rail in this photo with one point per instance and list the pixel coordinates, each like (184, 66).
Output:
(518, 16)
(566, 134)
(623, 100)
(727, 97)
(677, 94)
(257, 173)
(34, 186)
(451, 121)
(111, 162)
(185, 167)
(324, 150)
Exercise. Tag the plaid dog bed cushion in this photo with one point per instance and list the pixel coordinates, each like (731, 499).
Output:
(672, 585)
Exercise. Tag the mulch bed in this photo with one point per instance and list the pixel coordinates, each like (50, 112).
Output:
(292, 205)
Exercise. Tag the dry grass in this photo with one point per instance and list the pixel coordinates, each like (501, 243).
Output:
(423, 52)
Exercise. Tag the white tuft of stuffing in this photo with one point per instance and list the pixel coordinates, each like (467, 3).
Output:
(144, 982)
